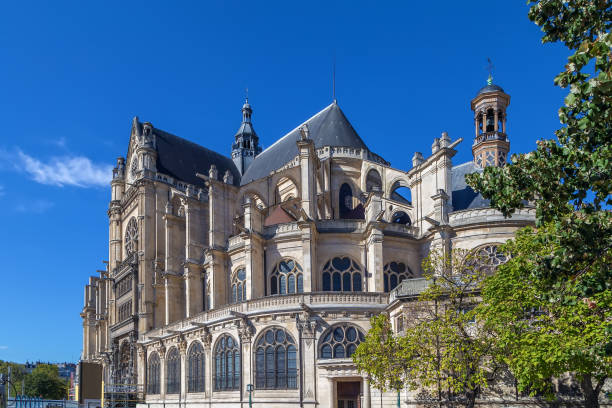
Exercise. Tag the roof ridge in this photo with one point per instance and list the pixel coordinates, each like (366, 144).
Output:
(299, 126)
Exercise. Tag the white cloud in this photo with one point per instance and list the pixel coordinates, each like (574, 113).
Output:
(68, 170)
(35, 206)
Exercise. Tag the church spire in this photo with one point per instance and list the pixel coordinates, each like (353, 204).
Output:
(246, 143)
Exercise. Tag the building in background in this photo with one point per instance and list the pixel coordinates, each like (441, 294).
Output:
(260, 270)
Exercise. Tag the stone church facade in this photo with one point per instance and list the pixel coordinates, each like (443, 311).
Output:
(255, 275)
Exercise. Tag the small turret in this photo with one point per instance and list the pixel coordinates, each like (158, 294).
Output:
(246, 143)
(491, 144)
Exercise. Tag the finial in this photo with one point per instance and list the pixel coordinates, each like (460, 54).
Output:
(246, 95)
(334, 79)
(490, 69)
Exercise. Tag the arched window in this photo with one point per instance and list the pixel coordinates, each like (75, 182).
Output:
(400, 217)
(195, 376)
(227, 364)
(275, 360)
(373, 181)
(487, 258)
(153, 370)
(239, 286)
(342, 275)
(173, 371)
(395, 273)
(340, 341)
(346, 200)
(490, 120)
(131, 237)
(286, 277)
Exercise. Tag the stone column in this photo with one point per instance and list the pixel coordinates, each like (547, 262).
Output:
(162, 372)
(183, 375)
(308, 348)
(208, 359)
(495, 127)
(367, 402)
(308, 256)
(307, 173)
(374, 267)
(331, 400)
(141, 373)
(246, 334)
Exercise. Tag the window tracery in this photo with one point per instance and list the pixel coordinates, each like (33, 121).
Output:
(487, 258)
(340, 341)
(342, 274)
(195, 375)
(239, 286)
(275, 360)
(286, 277)
(153, 373)
(131, 237)
(173, 371)
(227, 364)
(394, 273)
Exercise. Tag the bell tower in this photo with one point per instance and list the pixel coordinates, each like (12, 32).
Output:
(246, 143)
(491, 144)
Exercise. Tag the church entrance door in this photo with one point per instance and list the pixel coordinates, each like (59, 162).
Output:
(348, 394)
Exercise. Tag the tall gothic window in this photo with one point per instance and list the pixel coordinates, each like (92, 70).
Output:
(275, 360)
(173, 371)
(286, 277)
(239, 286)
(395, 273)
(340, 341)
(195, 376)
(131, 237)
(342, 275)
(227, 364)
(153, 371)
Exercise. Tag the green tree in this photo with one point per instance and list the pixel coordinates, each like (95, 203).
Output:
(45, 381)
(544, 335)
(18, 373)
(444, 348)
(569, 179)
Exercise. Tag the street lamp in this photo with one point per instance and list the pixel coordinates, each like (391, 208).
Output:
(250, 391)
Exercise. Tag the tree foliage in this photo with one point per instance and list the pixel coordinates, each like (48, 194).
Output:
(444, 348)
(569, 179)
(44, 381)
(541, 335)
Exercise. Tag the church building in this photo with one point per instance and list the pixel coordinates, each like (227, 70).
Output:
(253, 276)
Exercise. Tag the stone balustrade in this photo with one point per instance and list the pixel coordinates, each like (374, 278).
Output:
(271, 304)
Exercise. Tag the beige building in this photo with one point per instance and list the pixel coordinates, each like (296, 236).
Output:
(260, 271)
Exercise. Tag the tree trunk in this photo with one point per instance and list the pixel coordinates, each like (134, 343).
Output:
(591, 395)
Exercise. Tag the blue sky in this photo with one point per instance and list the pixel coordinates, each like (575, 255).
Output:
(73, 74)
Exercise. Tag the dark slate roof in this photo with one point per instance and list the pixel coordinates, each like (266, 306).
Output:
(182, 159)
(490, 88)
(330, 127)
(462, 195)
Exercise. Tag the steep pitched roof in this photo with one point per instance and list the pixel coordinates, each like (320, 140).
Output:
(182, 159)
(329, 127)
